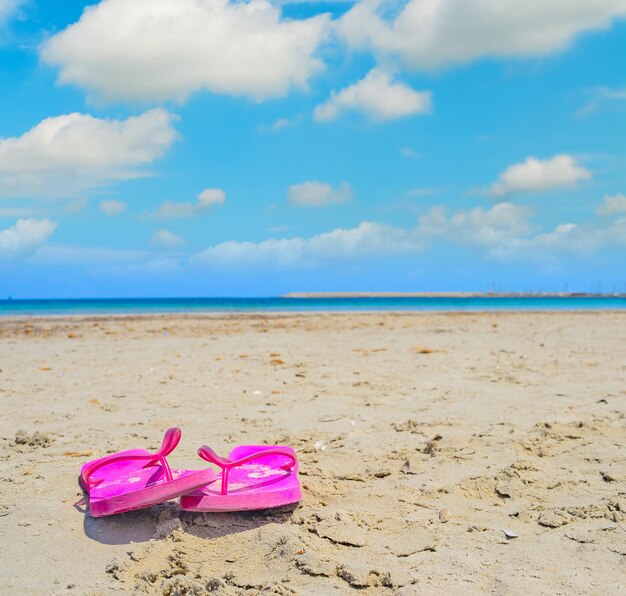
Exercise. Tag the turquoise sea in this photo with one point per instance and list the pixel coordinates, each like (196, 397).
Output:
(282, 304)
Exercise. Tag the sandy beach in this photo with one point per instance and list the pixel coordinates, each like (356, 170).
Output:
(424, 440)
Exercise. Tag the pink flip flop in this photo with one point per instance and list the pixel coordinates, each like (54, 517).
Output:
(136, 478)
(246, 483)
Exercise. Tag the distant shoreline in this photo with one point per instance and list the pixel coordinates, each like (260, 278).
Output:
(321, 302)
(309, 295)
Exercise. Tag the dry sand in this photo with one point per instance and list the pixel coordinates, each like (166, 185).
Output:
(422, 438)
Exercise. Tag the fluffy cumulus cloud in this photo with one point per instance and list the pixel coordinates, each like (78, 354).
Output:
(366, 240)
(178, 210)
(211, 196)
(153, 50)
(613, 205)
(497, 228)
(167, 239)
(499, 232)
(24, 238)
(377, 96)
(573, 239)
(428, 34)
(317, 194)
(112, 207)
(505, 233)
(75, 152)
(535, 175)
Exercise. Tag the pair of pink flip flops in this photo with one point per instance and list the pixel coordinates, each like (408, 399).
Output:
(251, 477)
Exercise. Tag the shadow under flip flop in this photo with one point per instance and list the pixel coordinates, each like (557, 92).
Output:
(149, 524)
(133, 526)
(210, 526)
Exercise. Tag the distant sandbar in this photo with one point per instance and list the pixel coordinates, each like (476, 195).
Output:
(452, 295)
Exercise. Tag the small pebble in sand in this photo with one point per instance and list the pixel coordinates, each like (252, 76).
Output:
(510, 534)
(444, 515)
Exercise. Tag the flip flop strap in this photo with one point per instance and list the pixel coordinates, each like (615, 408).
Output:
(170, 441)
(227, 465)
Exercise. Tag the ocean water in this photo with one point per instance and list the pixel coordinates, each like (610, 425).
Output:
(255, 305)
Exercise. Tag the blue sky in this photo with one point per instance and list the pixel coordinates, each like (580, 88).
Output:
(208, 148)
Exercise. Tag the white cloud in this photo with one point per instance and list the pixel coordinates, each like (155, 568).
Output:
(505, 233)
(378, 97)
(317, 194)
(502, 233)
(613, 205)
(176, 210)
(75, 152)
(534, 175)
(428, 34)
(497, 231)
(112, 207)
(153, 50)
(368, 239)
(167, 239)
(570, 238)
(211, 196)
(24, 238)
(491, 227)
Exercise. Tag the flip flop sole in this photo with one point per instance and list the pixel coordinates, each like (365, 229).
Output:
(135, 492)
(207, 501)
